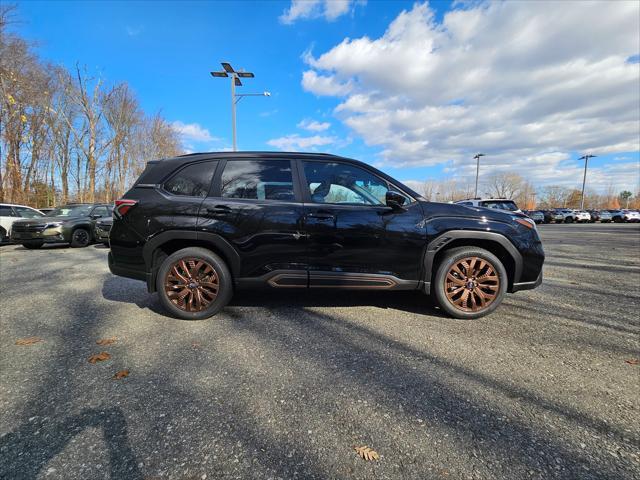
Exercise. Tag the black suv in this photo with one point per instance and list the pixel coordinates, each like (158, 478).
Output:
(71, 224)
(196, 226)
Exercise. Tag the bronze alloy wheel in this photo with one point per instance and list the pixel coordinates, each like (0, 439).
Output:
(191, 284)
(472, 284)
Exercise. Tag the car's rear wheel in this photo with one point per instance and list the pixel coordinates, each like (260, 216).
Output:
(568, 220)
(470, 282)
(33, 245)
(80, 238)
(194, 283)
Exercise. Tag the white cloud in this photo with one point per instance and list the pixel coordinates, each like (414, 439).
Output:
(307, 9)
(295, 142)
(134, 31)
(193, 132)
(524, 82)
(313, 125)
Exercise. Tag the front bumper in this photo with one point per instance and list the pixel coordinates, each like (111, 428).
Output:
(48, 235)
(101, 235)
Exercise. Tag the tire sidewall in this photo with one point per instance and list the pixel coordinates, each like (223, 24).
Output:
(74, 243)
(225, 290)
(447, 262)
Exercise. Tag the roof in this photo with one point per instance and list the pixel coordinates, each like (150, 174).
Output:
(262, 154)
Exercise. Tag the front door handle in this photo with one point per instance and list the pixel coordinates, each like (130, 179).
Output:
(218, 210)
(322, 216)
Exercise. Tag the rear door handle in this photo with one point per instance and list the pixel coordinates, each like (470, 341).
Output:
(218, 210)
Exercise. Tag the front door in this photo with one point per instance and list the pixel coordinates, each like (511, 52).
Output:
(354, 238)
(256, 207)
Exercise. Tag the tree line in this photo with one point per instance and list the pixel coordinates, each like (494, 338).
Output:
(526, 195)
(68, 135)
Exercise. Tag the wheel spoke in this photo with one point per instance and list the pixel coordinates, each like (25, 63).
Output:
(472, 284)
(192, 284)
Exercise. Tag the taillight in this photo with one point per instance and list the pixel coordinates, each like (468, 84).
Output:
(123, 206)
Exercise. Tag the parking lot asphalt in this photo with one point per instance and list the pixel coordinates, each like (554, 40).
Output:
(283, 384)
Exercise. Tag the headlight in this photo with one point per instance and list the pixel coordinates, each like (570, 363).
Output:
(524, 221)
(53, 225)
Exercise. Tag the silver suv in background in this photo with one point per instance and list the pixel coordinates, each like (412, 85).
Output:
(564, 215)
(495, 203)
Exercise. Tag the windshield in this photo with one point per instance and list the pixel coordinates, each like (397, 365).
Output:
(500, 205)
(70, 211)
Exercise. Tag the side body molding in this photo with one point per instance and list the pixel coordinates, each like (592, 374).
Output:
(439, 242)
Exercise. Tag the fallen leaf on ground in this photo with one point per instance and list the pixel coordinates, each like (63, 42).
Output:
(633, 361)
(99, 357)
(196, 345)
(367, 453)
(28, 341)
(107, 341)
(121, 374)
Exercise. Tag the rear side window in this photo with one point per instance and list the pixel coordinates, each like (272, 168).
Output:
(6, 211)
(257, 180)
(192, 181)
(500, 205)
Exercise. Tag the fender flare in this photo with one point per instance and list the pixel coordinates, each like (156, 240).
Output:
(439, 242)
(222, 245)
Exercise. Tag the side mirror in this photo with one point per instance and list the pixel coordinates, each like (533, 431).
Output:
(394, 200)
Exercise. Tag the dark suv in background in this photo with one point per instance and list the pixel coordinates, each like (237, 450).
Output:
(73, 224)
(197, 226)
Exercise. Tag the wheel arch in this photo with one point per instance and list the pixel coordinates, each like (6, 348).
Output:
(495, 243)
(166, 243)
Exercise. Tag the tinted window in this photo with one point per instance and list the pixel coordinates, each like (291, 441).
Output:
(102, 211)
(6, 211)
(500, 205)
(27, 212)
(344, 184)
(192, 181)
(258, 180)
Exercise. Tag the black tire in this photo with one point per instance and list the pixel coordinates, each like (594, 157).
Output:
(568, 220)
(617, 219)
(33, 245)
(3, 235)
(80, 238)
(106, 243)
(453, 256)
(225, 283)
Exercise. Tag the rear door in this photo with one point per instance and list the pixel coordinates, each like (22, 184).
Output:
(256, 206)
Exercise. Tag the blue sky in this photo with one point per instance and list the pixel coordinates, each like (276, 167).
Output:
(165, 51)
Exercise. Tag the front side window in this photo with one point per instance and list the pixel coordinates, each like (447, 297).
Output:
(28, 213)
(258, 180)
(341, 183)
(192, 181)
(6, 211)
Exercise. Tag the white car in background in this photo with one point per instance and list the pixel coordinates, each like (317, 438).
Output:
(582, 216)
(631, 216)
(9, 213)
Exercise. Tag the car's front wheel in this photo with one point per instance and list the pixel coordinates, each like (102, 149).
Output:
(80, 238)
(470, 282)
(194, 283)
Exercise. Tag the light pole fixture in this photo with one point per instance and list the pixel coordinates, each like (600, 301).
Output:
(477, 157)
(228, 71)
(584, 178)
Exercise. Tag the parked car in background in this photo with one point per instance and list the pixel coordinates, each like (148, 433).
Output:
(102, 229)
(631, 216)
(9, 213)
(535, 215)
(548, 215)
(306, 220)
(496, 203)
(582, 216)
(617, 216)
(47, 210)
(602, 216)
(71, 224)
(563, 215)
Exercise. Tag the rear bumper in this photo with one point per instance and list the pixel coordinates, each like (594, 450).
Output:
(527, 285)
(123, 271)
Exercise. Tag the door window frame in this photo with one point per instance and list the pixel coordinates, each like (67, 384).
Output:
(216, 189)
(306, 196)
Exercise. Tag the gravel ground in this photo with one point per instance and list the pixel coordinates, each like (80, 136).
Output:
(284, 384)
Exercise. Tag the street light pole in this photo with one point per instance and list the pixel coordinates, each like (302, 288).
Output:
(584, 177)
(477, 157)
(235, 98)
